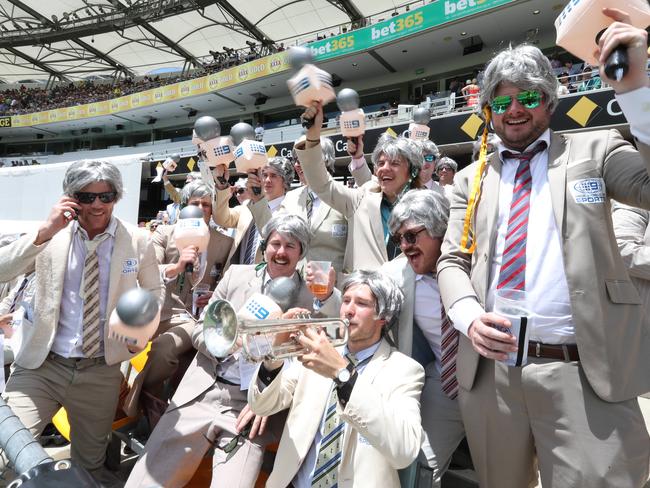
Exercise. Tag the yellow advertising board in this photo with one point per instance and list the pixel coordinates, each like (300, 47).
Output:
(227, 78)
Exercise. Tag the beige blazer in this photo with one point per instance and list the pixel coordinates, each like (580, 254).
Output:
(236, 286)
(365, 248)
(239, 218)
(400, 270)
(383, 430)
(131, 245)
(329, 228)
(179, 300)
(612, 337)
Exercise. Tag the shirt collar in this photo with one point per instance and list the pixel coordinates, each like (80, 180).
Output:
(546, 137)
(110, 229)
(364, 353)
(425, 277)
(275, 203)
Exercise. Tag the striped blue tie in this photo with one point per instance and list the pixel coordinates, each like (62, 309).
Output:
(329, 452)
(251, 245)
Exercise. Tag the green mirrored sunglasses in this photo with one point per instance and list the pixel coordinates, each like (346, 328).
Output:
(529, 99)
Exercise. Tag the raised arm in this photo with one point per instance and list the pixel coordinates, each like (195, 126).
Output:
(222, 214)
(333, 193)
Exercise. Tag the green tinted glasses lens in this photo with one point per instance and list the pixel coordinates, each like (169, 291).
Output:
(529, 99)
(500, 104)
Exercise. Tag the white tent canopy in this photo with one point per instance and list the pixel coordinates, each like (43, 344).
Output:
(160, 38)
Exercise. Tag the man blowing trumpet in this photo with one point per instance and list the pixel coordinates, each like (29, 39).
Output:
(354, 414)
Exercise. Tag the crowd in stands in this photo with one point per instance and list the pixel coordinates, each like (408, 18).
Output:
(27, 100)
(35, 99)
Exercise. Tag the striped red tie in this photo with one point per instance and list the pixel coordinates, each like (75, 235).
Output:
(512, 274)
(448, 352)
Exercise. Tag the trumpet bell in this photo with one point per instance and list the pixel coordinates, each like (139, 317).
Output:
(220, 328)
(263, 339)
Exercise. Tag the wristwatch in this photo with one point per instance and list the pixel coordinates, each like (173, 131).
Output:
(343, 375)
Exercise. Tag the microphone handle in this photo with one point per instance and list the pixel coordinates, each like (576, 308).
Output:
(617, 64)
(306, 122)
(257, 190)
(189, 268)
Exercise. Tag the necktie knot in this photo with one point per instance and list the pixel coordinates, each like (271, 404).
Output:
(526, 155)
(91, 245)
(352, 358)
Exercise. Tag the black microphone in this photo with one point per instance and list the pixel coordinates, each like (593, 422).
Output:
(618, 63)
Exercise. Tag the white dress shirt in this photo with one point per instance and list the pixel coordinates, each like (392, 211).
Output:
(306, 472)
(548, 301)
(68, 340)
(428, 313)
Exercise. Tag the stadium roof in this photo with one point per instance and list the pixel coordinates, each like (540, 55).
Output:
(75, 39)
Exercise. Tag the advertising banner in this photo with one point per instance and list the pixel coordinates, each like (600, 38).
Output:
(404, 25)
(198, 86)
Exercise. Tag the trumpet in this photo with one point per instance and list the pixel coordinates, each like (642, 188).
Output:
(223, 332)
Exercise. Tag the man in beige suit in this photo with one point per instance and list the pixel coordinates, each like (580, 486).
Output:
(67, 357)
(329, 228)
(274, 181)
(354, 415)
(177, 318)
(397, 163)
(542, 225)
(205, 407)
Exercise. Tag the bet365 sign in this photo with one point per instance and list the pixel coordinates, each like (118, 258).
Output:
(403, 25)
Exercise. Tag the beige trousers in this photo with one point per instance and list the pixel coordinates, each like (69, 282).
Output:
(186, 434)
(546, 412)
(87, 388)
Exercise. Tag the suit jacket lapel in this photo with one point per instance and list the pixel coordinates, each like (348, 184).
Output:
(376, 222)
(59, 250)
(121, 248)
(557, 165)
(319, 216)
(370, 372)
(405, 331)
(490, 197)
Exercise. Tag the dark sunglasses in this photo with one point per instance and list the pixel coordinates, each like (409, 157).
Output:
(529, 99)
(235, 443)
(89, 197)
(240, 191)
(410, 237)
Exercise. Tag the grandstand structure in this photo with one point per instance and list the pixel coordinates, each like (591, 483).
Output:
(149, 68)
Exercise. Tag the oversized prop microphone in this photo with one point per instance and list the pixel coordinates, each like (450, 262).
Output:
(310, 84)
(215, 149)
(353, 120)
(250, 155)
(135, 318)
(169, 166)
(191, 231)
(582, 21)
(419, 128)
